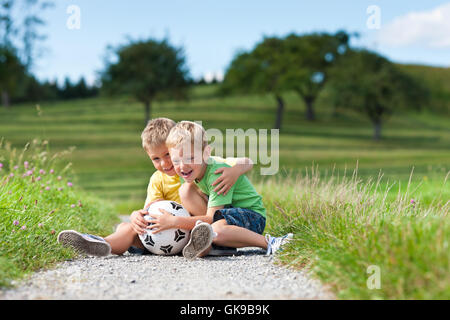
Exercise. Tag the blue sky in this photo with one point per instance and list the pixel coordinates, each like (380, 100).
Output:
(212, 31)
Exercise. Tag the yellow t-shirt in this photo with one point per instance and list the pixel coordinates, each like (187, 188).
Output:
(163, 186)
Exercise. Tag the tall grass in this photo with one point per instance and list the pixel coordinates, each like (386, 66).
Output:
(38, 199)
(343, 226)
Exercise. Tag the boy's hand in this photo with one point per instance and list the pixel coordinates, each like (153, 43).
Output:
(162, 222)
(226, 180)
(138, 222)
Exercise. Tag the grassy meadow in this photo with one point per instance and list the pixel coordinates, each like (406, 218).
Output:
(109, 160)
(391, 212)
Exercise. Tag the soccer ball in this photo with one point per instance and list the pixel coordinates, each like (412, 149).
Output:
(166, 242)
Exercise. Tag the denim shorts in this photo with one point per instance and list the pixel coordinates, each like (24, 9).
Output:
(241, 217)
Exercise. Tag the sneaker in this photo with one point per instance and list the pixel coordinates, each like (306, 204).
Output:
(274, 244)
(84, 243)
(201, 238)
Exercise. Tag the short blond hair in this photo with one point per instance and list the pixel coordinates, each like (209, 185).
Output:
(186, 131)
(156, 132)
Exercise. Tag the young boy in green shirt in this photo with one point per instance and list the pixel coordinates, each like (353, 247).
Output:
(236, 219)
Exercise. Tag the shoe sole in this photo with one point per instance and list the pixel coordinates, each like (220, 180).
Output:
(76, 241)
(201, 239)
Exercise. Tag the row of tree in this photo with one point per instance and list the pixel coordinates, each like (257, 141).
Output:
(357, 79)
(155, 70)
(20, 25)
(18, 86)
(20, 37)
(36, 91)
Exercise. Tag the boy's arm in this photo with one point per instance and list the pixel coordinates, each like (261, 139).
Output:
(230, 175)
(168, 221)
(154, 190)
(244, 165)
(154, 193)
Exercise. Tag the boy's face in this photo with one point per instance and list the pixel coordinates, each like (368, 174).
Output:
(161, 159)
(188, 164)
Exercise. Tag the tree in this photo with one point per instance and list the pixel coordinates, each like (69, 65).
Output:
(30, 28)
(149, 70)
(295, 62)
(7, 29)
(19, 24)
(310, 57)
(12, 72)
(260, 71)
(369, 83)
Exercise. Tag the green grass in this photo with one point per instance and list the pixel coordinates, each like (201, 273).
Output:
(34, 208)
(341, 227)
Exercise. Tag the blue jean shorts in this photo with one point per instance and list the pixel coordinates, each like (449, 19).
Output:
(241, 217)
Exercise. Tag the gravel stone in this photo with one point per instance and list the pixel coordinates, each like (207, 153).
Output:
(247, 275)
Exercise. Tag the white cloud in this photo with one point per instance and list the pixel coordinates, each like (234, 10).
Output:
(219, 76)
(211, 76)
(427, 28)
(208, 77)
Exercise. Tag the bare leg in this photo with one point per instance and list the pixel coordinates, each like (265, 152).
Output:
(123, 238)
(236, 237)
(193, 200)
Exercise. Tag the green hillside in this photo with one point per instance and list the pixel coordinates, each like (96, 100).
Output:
(437, 80)
(108, 158)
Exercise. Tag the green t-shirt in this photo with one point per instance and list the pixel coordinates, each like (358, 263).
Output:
(241, 195)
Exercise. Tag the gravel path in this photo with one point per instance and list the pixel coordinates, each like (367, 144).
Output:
(247, 275)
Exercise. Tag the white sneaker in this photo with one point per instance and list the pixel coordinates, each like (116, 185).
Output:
(274, 244)
(201, 238)
(84, 243)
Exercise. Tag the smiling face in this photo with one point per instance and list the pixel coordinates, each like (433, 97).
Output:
(161, 159)
(187, 163)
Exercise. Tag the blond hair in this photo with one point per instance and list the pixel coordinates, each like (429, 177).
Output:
(186, 131)
(156, 132)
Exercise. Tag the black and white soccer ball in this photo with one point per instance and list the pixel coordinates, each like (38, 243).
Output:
(166, 242)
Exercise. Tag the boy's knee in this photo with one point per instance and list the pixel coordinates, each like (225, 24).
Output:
(218, 228)
(184, 191)
(218, 225)
(192, 199)
(122, 225)
(125, 227)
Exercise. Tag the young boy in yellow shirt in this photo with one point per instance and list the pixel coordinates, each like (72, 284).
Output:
(164, 185)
